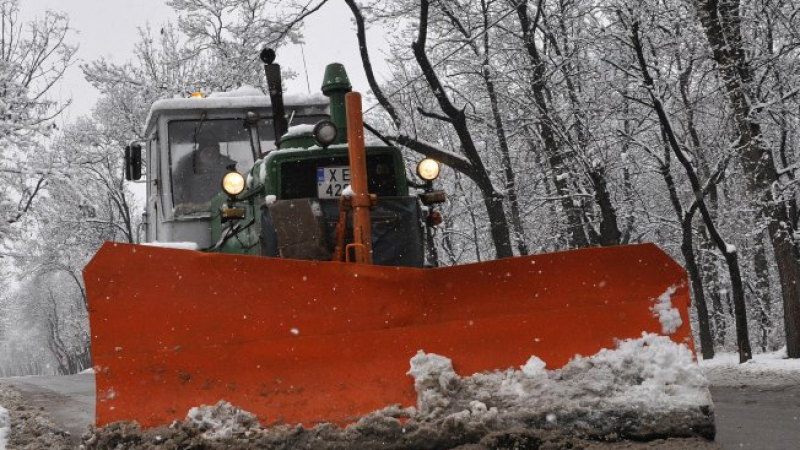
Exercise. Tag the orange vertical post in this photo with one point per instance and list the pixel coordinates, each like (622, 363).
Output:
(362, 228)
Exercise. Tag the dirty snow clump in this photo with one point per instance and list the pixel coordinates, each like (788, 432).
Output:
(534, 366)
(221, 421)
(651, 382)
(669, 317)
(434, 381)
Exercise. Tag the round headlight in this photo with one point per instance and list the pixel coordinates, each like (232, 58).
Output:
(325, 133)
(428, 169)
(233, 183)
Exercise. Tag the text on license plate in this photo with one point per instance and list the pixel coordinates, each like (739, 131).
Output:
(331, 181)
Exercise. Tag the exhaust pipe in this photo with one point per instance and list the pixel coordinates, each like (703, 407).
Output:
(273, 74)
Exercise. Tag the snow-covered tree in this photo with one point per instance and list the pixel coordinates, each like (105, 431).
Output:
(554, 105)
(33, 58)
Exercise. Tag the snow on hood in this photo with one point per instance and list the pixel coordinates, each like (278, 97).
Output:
(238, 99)
(175, 245)
(298, 130)
(243, 91)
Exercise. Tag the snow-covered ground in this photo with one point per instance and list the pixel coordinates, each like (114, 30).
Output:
(641, 378)
(5, 427)
(25, 427)
(765, 369)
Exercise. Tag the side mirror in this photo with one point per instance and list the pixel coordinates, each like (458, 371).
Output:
(133, 162)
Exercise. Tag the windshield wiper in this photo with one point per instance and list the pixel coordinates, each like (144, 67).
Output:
(195, 144)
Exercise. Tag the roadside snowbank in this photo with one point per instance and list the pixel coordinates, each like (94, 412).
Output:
(765, 369)
(645, 389)
(25, 427)
(5, 427)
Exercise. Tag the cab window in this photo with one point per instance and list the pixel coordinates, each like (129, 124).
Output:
(200, 153)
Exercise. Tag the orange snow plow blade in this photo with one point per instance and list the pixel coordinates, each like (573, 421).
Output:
(309, 342)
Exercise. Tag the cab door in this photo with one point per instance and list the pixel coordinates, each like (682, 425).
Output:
(152, 206)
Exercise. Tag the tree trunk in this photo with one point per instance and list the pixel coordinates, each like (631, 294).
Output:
(740, 309)
(508, 168)
(609, 229)
(687, 249)
(711, 282)
(763, 292)
(789, 277)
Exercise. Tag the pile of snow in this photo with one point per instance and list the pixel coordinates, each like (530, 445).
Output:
(290, 100)
(765, 369)
(298, 130)
(5, 427)
(243, 91)
(221, 421)
(649, 376)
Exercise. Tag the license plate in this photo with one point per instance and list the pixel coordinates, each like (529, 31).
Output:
(331, 181)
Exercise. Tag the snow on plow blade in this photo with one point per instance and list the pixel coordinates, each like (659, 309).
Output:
(310, 342)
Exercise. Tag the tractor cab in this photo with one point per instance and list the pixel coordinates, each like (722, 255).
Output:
(245, 173)
(191, 143)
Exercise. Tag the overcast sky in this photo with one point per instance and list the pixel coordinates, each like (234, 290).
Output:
(109, 28)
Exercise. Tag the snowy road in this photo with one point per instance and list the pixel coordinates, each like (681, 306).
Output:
(69, 400)
(747, 417)
(758, 417)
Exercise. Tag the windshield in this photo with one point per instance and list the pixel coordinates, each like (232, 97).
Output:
(201, 152)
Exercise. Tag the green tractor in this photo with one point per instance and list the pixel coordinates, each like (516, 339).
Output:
(278, 199)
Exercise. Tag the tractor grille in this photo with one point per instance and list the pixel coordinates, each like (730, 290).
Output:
(299, 178)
